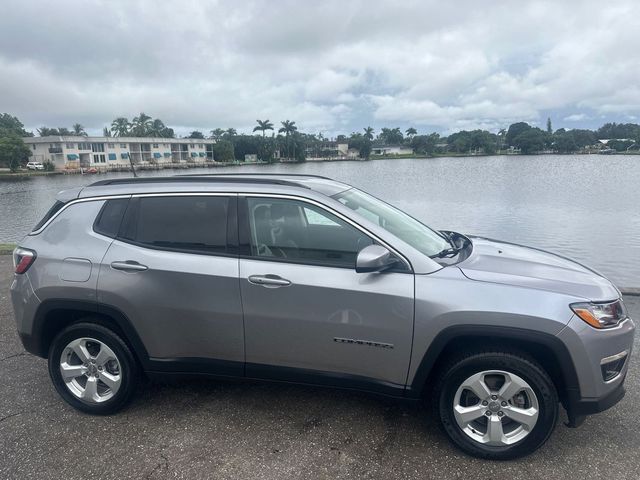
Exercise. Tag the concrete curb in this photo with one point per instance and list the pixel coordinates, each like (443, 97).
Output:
(635, 292)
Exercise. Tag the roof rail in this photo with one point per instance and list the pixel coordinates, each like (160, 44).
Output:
(194, 179)
(247, 174)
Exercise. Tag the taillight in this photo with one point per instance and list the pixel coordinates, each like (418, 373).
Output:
(23, 258)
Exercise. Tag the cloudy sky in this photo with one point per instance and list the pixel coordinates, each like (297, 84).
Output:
(331, 66)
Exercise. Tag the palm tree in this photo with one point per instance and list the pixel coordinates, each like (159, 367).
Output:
(231, 132)
(157, 128)
(141, 125)
(106, 132)
(410, 132)
(217, 133)
(120, 127)
(368, 133)
(288, 128)
(263, 125)
(501, 136)
(78, 129)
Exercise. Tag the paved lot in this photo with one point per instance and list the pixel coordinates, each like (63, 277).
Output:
(204, 429)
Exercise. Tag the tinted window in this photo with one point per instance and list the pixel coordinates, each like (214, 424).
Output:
(192, 224)
(301, 232)
(110, 217)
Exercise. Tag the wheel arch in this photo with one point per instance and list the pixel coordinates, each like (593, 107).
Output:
(545, 348)
(53, 316)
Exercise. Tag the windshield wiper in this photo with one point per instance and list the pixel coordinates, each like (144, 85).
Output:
(447, 252)
(455, 249)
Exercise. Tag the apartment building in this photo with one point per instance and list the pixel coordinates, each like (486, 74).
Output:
(73, 152)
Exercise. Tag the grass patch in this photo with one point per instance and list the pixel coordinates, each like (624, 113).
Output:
(7, 248)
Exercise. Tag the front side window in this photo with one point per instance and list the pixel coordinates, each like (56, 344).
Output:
(300, 232)
(193, 224)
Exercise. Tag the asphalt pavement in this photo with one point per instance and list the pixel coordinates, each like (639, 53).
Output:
(207, 429)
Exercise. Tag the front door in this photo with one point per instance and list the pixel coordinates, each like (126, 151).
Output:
(309, 317)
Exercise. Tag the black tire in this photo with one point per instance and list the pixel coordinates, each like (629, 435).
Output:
(128, 367)
(456, 371)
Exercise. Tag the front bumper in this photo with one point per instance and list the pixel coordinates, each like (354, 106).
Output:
(588, 347)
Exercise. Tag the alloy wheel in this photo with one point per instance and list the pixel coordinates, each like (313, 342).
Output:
(90, 370)
(496, 408)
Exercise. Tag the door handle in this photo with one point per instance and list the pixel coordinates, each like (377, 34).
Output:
(128, 266)
(269, 281)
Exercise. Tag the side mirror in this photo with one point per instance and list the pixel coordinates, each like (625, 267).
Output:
(374, 258)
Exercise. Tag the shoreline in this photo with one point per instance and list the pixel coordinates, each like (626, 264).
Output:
(22, 175)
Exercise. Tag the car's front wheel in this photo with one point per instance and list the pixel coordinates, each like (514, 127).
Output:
(496, 405)
(92, 368)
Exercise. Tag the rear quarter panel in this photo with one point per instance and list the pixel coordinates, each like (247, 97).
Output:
(68, 255)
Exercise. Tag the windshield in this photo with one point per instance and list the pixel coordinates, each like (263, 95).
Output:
(406, 228)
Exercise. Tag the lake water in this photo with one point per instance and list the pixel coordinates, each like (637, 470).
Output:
(586, 207)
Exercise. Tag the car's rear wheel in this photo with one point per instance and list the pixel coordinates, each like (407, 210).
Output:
(92, 368)
(496, 405)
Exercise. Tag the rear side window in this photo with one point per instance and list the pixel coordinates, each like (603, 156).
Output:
(196, 224)
(52, 211)
(110, 217)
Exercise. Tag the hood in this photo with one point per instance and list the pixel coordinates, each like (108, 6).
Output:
(511, 264)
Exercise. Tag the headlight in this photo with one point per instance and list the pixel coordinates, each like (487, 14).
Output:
(601, 315)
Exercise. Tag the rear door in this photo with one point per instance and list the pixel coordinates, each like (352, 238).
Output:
(171, 271)
(309, 316)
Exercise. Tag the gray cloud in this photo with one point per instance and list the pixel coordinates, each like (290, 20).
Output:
(331, 66)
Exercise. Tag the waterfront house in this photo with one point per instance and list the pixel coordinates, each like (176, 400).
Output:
(112, 153)
(392, 150)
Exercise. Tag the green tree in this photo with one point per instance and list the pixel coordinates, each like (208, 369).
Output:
(64, 131)
(530, 141)
(563, 142)
(10, 125)
(267, 150)
(425, 144)
(223, 151)
(141, 125)
(368, 133)
(549, 127)
(391, 136)
(120, 127)
(47, 132)
(13, 152)
(515, 130)
(410, 132)
(362, 143)
(106, 132)
(619, 131)
(288, 128)
(78, 129)
(230, 133)
(196, 134)
(217, 133)
(156, 128)
(263, 126)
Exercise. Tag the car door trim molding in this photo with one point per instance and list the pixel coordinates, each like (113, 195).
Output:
(340, 215)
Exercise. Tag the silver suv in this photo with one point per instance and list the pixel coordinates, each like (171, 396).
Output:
(305, 279)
